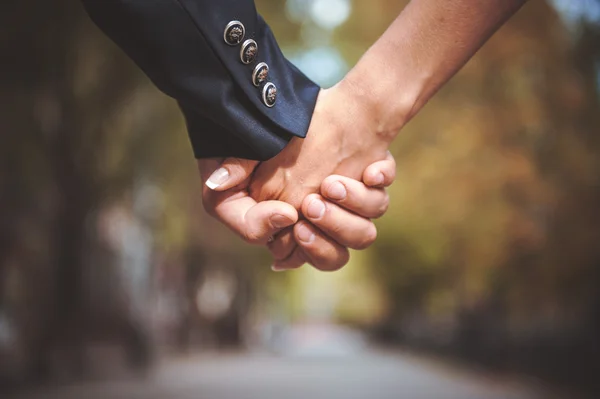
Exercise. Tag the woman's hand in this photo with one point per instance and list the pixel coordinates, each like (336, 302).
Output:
(342, 139)
(336, 219)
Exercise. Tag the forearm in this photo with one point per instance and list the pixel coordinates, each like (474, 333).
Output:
(424, 47)
(184, 48)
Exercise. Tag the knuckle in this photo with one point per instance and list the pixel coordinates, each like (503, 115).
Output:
(335, 230)
(333, 265)
(295, 261)
(383, 207)
(390, 175)
(252, 237)
(233, 164)
(333, 224)
(389, 179)
(279, 252)
(319, 255)
(283, 245)
(263, 191)
(368, 238)
(328, 259)
(308, 199)
(294, 196)
(328, 182)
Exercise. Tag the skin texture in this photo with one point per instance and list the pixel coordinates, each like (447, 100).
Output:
(336, 219)
(339, 141)
(355, 121)
(344, 223)
(420, 51)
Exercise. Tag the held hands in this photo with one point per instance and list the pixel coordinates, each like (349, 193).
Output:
(342, 143)
(324, 237)
(342, 139)
(336, 219)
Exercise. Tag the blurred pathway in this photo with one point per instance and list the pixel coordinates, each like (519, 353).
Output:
(307, 372)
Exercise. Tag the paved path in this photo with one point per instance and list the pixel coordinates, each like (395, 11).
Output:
(245, 376)
(314, 362)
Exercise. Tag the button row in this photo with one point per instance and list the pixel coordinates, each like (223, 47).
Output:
(234, 34)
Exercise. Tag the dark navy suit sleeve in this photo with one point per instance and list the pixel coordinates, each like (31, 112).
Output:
(180, 45)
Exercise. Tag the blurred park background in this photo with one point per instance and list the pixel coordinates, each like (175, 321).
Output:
(489, 255)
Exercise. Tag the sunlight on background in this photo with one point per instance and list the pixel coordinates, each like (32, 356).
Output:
(573, 11)
(488, 254)
(329, 14)
(318, 58)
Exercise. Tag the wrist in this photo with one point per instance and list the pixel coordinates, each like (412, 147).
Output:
(358, 116)
(342, 128)
(391, 100)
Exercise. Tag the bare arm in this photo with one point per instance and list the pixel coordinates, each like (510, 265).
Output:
(355, 121)
(422, 49)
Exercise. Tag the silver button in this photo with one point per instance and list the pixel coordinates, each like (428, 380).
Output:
(234, 33)
(249, 51)
(260, 74)
(269, 94)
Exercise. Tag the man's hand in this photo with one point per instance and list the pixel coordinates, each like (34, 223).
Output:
(255, 222)
(341, 140)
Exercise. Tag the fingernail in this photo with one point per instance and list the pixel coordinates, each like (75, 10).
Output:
(379, 179)
(218, 177)
(278, 269)
(315, 209)
(304, 234)
(280, 221)
(337, 191)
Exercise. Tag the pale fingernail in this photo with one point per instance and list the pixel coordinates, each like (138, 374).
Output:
(316, 209)
(280, 221)
(337, 191)
(279, 269)
(304, 234)
(218, 177)
(379, 179)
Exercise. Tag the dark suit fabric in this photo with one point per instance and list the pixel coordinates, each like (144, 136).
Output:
(179, 44)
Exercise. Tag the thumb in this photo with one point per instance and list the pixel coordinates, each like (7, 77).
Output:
(230, 173)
